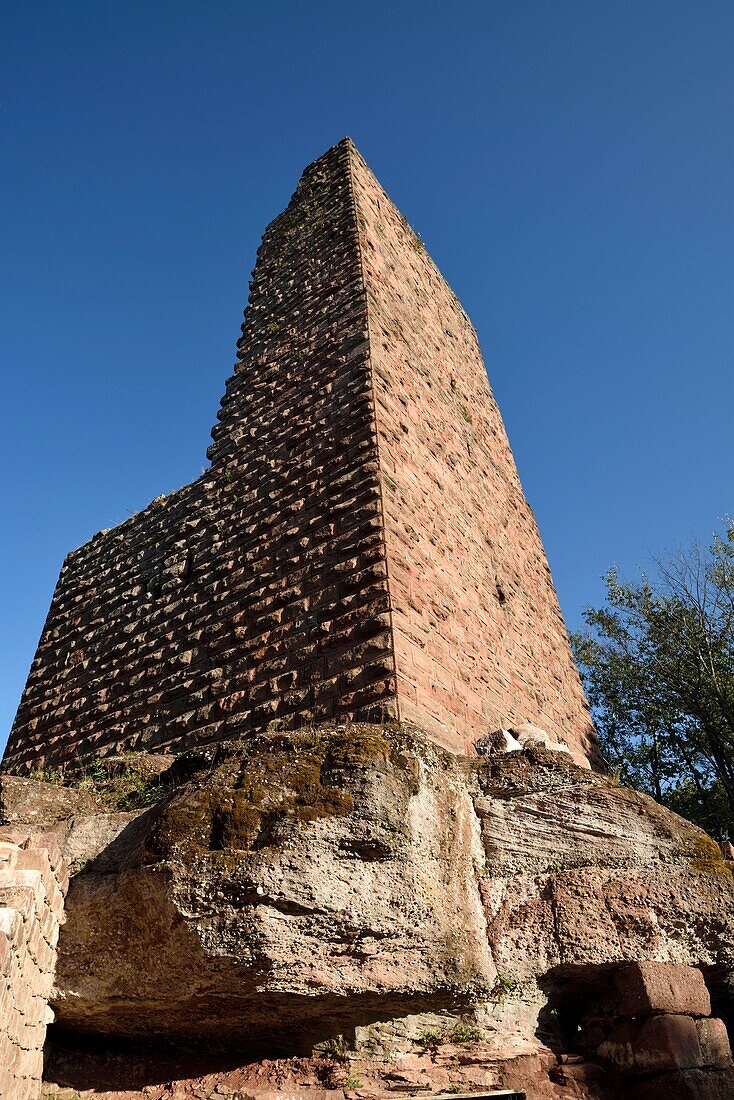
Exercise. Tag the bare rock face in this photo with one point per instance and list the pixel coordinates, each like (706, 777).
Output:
(343, 880)
(286, 891)
(584, 873)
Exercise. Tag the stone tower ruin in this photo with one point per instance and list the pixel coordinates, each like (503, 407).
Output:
(360, 546)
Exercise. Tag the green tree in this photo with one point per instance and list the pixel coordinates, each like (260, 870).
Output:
(658, 667)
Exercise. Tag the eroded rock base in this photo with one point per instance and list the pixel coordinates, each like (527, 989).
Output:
(349, 909)
(452, 1069)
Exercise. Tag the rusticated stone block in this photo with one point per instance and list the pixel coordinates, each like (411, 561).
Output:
(714, 1040)
(654, 1044)
(649, 987)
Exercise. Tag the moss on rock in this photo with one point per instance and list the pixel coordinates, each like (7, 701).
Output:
(277, 777)
(704, 855)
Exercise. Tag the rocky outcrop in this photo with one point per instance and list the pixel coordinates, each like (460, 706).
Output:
(329, 885)
(582, 872)
(285, 891)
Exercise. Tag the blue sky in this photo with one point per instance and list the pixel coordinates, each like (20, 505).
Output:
(570, 166)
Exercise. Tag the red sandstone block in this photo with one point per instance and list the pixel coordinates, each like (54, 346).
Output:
(14, 1057)
(62, 878)
(25, 1089)
(34, 940)
(15, 1029)
(48, 925)
(33, 1017)
(30, 858)
(23, 899)
(649, 987)
(31, 1064)
(714, 1041)
(653, 1044)
(28, 1039)
(38, 860)
(7, 1084)
(24, 992)
(42, 954)
(690, 1084)
(5, 1046)
(49, 842)
(9, 836)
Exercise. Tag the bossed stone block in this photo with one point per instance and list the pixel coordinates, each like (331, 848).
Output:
(655, 1044)
(714, 1040)
(648, 987)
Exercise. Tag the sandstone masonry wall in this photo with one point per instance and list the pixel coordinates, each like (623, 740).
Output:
(259, 591)
(360, 546)
(479, 637)
(33, 881)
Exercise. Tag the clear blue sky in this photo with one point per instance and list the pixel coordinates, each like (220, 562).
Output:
(570, 166)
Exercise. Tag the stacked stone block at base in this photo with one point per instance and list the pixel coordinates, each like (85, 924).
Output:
(33, 882)
(669, 1038)
(687, 1084)
(649, 987)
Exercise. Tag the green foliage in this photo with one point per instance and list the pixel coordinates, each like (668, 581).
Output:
(79, 866)
(122, 785)
(42, 774)
(705, 856)
(658, 667)
(459, 1033)
(503, 986)
(430, 1040)
(465, 1033)
(336, 1048)
(418, 243)
(352, 1082)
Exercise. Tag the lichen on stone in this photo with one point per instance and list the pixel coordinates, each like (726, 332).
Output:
(704, 855)
(277, 777)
